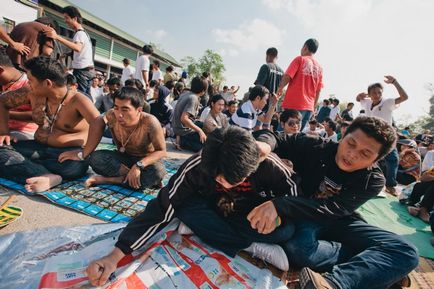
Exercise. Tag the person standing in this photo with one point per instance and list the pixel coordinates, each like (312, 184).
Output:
(82, 62)
(270, 74)
(128, 72)
(304, 79)
(142, 65)
(374, 104)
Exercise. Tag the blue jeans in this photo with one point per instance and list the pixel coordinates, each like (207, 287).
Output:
(353, 253)
(305, 117)
(84, 79)
(228, 234)
(392, 163)
(26, 159)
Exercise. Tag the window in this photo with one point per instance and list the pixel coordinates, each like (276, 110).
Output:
(8, 24)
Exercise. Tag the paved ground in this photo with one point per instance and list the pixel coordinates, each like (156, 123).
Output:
(41, 213)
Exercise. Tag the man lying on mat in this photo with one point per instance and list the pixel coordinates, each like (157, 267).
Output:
(214, 193)
(63, 118)
(336, 179)
(140, 143)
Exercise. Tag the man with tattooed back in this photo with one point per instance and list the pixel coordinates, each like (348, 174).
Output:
(63, 118)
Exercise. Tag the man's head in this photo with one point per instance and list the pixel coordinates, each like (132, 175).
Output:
(7, 69)
(95, 82)
(126, 62)
(366, 140)
(330, 126)
(310, 47)
(147, 49)
(335, 102)
(169, 68)
(230, 155)
(259, 96)
(350, 105)
(205, 74)
(217, 103)
(343, 126)
(232, 106)
(225, 89)
(156, 64)
(72, 16)
(312, 124)
(44, 74)
(71, 82)
(375, 92)
(199, 85)
(290, 120)
(114, 84)
(271, 55)
(325, 102)
(128, 104)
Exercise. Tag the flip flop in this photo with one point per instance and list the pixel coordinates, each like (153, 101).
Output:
(9, 214)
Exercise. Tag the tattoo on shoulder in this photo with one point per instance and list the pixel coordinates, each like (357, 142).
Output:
(15, 98)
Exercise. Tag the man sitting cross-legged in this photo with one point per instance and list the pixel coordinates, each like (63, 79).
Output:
(214, 193)
(62, 116)
(139, 139)
(336, 179)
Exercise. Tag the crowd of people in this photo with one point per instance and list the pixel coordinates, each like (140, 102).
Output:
(282, 182)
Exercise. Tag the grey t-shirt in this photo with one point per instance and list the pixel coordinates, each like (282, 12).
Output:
(188, 102)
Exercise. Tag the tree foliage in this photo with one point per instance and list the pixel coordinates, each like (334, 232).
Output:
(210, 62)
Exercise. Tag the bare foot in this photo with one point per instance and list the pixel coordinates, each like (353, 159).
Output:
(424, 214)
(97, 180)
(42, 183)
(414, 211)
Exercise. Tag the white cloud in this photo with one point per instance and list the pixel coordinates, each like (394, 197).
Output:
(249, 36)
(156, 34)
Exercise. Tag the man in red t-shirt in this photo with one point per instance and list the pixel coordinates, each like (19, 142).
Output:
(304, 79)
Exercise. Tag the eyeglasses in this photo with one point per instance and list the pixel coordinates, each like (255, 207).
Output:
(292, 122)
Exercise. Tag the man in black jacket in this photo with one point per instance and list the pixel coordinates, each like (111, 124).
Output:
(336, 179)
(214, 193)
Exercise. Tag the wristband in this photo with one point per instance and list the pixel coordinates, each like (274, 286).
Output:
(278, 221)
(80, 156)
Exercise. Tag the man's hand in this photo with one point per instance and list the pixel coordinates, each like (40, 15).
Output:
(100, 270)
(279, 92)
(264, 150)
(133, 177)
(273, 99)
(362, 95)
(264, 218)
(51, 33)
(6, 139)
(202, 136)
(20, 47)
(69, 155)
(389, 79)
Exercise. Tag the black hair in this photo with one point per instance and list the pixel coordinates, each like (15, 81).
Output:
(71, 79)
(147, 49)
(350, 103)
(312, 45)
(179, 88)
(215, 98)
(43, 68)
(258, 90)
(327, 102)
(205, 74)
(199, 84)
(4, 58)
(289, 113)
(132, 94)
(232, 102)
(170, 84)
(157, 62)
(241, 154)
(332, 125)
(374, 85)
(153, 83)
(169, 68)
(225, 87)
(272, 51)
(73, 12)
(313, 121)
(344, 124)
(126, 61)
(336, 101)
(378, 129)
(114, 81)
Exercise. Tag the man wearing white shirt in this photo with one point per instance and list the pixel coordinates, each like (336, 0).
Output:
(329, 131)
(142, 65)
(157, 75)
(374, 104)
(95, 90)
(128, 72)
(334, 112)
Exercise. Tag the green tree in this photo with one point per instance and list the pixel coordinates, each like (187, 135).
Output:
(210, 62)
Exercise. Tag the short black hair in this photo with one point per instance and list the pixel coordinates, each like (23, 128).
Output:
(71, 79)
(199, 84)
(313, 121)
(289, 113)
(132, 94)
(232, 102)
(374, 85)
(344, 124)
(272, 51)
(170, 84)
(350, 103)
(241, 154)
(114, 81)
(312, 45)
(378, 129)
(134, 83)
(73, 12)
(43, 68)
(327, 102)
(205, 74)
(225, 87)
(258, 90)
(153, 83)
(336, 101)
(169, 68)
(157, 62)
(332, 125)
(126, 61)
(147, 49)
(4, 58)
(216, 97)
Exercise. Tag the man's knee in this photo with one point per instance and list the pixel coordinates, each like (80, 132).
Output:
(301, 253)
(409, 252)
(73, 170)
(102, 163)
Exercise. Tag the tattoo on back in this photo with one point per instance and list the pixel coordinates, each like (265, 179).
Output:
(16, 98)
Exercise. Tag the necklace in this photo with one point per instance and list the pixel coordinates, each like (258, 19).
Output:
(12, 82)
(50, 120)
(123, 145)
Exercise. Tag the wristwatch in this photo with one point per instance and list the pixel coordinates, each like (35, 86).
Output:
(80, 155)
(140, 165)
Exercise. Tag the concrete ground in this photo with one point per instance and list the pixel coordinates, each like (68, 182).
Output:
(41, 213)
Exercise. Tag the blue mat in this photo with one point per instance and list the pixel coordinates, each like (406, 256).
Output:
(110, 203)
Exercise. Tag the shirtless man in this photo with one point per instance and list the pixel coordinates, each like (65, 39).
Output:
(63, 119)
(140, 144)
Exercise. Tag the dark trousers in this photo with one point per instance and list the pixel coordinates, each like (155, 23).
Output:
(26, 159)
(228, 234)
(84, 78)
(354, 253)
(425, 189)
(392, 163)
(191, 142)
(108, 163)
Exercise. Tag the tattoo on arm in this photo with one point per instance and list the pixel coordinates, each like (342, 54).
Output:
(16, 98)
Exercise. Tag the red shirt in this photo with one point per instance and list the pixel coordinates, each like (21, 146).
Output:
(306, 81)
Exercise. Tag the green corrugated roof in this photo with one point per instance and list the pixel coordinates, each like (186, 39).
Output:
(120, 33)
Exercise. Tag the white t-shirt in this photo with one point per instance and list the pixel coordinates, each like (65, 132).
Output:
(157, 75)
(142, 64)
(428, 161)
(307, 130)
(83, 58)
(334, 112)
(95, 92)
(126, 73)
(324, 135)
(382, 110)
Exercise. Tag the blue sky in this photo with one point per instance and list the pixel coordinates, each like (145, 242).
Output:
(360, 40)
